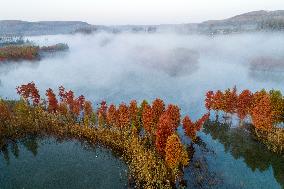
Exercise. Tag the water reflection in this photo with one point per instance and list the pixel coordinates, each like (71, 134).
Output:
(12, 147)
(49, 163)
(240, 144)
(198, 174)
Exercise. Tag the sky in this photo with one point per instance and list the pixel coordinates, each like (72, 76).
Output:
(116, 12)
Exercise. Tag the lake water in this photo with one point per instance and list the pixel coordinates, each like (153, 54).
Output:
(46, 163)
(177, 68)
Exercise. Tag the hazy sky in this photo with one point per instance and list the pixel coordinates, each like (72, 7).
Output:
(131, 11)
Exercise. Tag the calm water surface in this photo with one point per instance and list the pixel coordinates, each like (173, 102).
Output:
(46, 163)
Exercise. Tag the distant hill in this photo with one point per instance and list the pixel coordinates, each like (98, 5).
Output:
(17, 27)
(248, 22)
(252, 21)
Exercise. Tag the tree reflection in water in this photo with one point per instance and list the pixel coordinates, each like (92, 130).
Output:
(241, 144)
(12, 147)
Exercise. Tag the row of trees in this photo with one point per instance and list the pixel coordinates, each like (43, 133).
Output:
(55, 48)
(12, 40)
(266, 109)
(155, 123)
(274, 24)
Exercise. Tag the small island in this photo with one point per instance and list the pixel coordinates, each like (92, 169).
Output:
(17, 49)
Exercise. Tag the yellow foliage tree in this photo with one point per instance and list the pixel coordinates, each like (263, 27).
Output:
(175, 153)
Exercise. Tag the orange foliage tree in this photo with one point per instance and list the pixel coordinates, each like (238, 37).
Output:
(52, 101)
(209, 100)
(218, 104)
(148, 119)
(230, 101)
(67, 98)
(265, 109)
(158, 107)
(78, 105)
(190, 127)
(262, 114)
(244, 104)
(112, 115)
(29, 91)
(175, 153)
(123, 116)
(165, 128)
(174, 113)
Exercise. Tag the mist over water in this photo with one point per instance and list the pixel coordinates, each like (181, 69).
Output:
(177, 68)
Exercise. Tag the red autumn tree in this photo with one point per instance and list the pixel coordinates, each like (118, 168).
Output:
(244, 104)
(81, 100)
(257, 97)
(218, 102)
(209, 100)
(262, 114)
(148, 119)
(200, 122)
(70, 99)
(52, 101)
(190, 127)
(29, 91)
(230, 101)
(78, 105)
(112, 115)
(158, 107)
(123, 116)
(75, 105)
(67, 97)
(165, 128)
(62, 93)
(173, 112)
